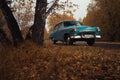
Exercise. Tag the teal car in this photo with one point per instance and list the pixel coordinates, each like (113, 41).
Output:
(71, 31)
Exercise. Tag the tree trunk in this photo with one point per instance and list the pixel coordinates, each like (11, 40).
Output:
(3, 38)
(12, 23)
(39, 22)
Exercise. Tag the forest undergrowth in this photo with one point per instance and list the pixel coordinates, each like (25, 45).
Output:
(58, 62)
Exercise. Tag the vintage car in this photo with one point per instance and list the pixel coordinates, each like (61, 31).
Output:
(71, 31)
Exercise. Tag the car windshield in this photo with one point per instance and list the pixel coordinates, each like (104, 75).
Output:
(71, 23)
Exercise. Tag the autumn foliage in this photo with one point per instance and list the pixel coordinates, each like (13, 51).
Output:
(105, 14)
(58, 62)
(62, 62)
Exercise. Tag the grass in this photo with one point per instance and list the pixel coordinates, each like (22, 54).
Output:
(54, 62)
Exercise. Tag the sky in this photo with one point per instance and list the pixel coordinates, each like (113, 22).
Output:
(82, 8)
(82, 11)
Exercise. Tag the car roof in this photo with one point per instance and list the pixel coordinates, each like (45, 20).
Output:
(64, 21)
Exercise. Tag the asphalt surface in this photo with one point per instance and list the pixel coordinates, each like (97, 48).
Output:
(108, 45)
(105, 45)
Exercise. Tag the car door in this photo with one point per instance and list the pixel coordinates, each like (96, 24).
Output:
(60, 33)
(55, 32)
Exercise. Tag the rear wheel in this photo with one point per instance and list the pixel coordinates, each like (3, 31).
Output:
(90, 42)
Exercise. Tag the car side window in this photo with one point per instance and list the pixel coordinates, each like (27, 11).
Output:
(58, 26)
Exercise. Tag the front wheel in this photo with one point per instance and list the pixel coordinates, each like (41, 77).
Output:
(68, 40)
(54, 41)
(90, 42)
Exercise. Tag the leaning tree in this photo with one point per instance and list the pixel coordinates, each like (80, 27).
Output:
(12, 23)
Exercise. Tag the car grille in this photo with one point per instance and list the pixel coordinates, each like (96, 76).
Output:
(86, 32)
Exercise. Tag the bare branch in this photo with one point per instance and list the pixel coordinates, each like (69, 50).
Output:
(52, 7)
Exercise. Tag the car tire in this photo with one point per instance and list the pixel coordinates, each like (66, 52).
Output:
(68, 40)
(53, 40)
(90, 42)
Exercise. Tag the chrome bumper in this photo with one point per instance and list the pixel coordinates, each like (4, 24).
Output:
(98, 36)
(86, 37)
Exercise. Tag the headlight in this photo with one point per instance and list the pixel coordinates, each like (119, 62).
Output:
(75, 29)
(98, 28)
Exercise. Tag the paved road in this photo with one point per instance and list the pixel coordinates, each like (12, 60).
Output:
(105, 45)
(108, 45)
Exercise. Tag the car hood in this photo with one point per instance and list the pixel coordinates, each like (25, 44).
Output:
(85, 28)
(82, 28)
